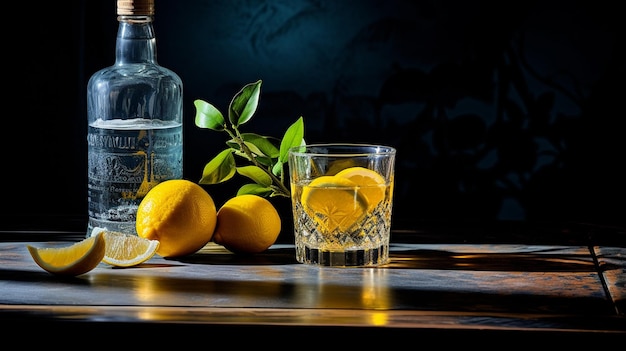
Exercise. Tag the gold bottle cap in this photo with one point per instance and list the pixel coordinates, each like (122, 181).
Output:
(135, 7)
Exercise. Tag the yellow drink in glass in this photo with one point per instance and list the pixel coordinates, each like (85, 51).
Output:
(342, 201)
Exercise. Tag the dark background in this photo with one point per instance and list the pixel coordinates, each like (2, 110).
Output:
(507, 111)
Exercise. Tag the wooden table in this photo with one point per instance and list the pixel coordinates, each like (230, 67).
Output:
(563, 282)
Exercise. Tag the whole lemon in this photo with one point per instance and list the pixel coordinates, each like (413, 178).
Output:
(247, 224)
(178, 213)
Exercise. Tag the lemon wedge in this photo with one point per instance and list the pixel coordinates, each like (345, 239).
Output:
(126, 250)
(73, 260)
(371, 184)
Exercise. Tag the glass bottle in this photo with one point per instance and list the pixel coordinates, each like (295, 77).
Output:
(135, 134)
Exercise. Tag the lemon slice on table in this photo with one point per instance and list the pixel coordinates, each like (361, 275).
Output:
(125, 250)
(372, 184)
(73, 260)
(334, 202)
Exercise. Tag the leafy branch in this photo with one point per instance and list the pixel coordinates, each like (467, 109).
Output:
(265, 156)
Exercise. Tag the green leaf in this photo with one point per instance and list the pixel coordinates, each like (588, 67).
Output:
(277, 169)
(236, 149)
(263, 143)
(293, 137)
(220, 169)
(257, 174)
(244, 104)
(265, 161)
(239, 152)
(253, 147)
(255, 150)
(232, 144)
(255, 189)
(207, 116)
(258, 145)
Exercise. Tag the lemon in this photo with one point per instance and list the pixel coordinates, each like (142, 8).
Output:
(334, 202)
(247, 224)
(125, 250)
(178, 213)
(73, 260)
(372, 184)
(337, 165)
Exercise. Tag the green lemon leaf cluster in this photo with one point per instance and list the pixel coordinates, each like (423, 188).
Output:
(265, 157)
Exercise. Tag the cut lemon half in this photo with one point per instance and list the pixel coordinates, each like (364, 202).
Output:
(125, 250)
(334, 202)
(73, 260)
(371, 184)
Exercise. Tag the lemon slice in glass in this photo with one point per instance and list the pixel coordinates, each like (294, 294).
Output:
(334, 202)
(371, 184)
(125, 250)
(73, 260)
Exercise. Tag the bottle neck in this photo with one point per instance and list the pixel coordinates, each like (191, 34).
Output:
(136, 42)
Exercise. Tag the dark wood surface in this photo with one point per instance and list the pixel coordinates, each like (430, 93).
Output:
(497, 281)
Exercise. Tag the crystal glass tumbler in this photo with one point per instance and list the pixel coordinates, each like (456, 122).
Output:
(341, 199)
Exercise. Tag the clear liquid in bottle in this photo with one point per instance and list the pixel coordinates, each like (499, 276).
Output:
(135, 137)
